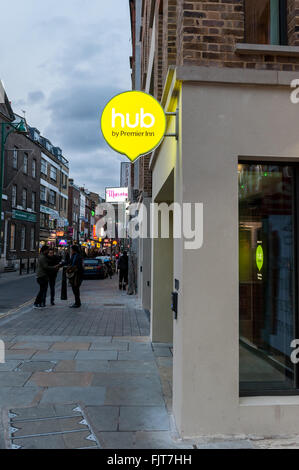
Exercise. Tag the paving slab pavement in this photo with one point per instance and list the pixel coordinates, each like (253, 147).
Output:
(90, 379)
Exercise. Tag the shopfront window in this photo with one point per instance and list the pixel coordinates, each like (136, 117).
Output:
(266, 22)
(43, 168)
(267, 266)
(52, 197)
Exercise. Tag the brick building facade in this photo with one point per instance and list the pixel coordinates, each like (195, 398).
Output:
(74, 211)
(21, 190)
(211, 33)
(54, 175)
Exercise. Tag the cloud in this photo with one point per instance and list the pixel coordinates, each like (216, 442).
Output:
(75, 126)
(96, 170)
(35, 97)
(75, 116)
(79, 59)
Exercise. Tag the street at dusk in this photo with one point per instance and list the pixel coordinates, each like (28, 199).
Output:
(149, 228)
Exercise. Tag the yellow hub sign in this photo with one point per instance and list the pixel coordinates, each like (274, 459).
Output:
(133, 123)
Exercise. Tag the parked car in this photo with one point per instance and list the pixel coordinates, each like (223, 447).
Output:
(95, 268)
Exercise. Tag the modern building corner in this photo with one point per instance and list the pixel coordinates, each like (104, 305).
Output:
(236, 153)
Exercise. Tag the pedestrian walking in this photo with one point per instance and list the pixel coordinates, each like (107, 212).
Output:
(75, 273)
(53, 260)
(108, 264)
(123, 266)
(42, 274)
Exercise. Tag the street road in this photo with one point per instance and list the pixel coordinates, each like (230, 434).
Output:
(16, 291)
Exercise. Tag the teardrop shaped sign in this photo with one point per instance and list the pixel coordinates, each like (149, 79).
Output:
(133, 123)
(259, 256)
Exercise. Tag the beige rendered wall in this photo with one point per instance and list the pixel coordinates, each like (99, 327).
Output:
(162, 249)
(145, 255)
(220, 123)
(162, 282)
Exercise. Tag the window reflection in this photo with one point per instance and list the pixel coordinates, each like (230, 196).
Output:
(266, 257)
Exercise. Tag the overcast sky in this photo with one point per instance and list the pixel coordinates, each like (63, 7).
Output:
(61, 61)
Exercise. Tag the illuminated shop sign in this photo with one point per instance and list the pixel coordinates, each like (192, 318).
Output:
(133, 123)
(117, 194)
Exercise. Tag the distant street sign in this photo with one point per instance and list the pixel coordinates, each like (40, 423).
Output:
(22, 215)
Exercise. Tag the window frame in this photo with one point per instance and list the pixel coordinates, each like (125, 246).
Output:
(295, 196)
(15, 158)
(23, 238)
(52, 197)
(24, 192)
(14, 195)
(33, 201)
(33, 168)
(282, 25)
(25, 165)
(43, 191)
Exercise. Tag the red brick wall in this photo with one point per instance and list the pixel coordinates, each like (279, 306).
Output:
(169, 36)
(207, 32)
(293, 22)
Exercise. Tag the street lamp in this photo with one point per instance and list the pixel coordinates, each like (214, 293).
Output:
(7, 128)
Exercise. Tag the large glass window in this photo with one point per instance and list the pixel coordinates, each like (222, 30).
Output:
(266, 22)
(33, 201)
(266, 275)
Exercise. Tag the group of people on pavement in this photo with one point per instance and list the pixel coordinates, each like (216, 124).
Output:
(48, 267)
(47, 270)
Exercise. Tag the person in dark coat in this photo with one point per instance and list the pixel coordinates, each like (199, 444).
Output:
(108, 264)
(76, 270)
(53, 260)
(123, 266)
(42, 274)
